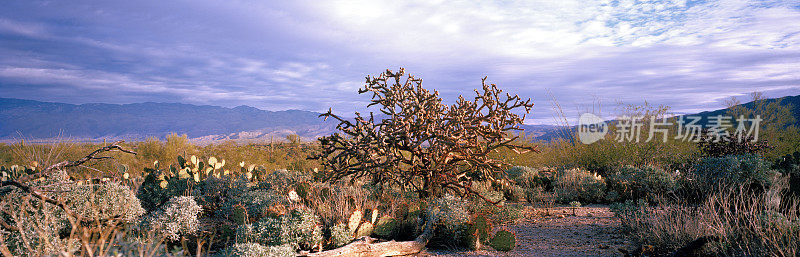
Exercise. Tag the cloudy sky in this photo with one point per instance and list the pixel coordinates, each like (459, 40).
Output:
(311, 55)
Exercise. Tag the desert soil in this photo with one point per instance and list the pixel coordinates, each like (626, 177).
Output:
(593, 231)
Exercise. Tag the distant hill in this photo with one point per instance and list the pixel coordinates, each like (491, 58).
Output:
(42, 120)
(203, 123)
(548, 133)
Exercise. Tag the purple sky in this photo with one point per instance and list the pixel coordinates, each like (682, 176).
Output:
(690, 55)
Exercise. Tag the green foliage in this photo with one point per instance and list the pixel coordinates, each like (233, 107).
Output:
(483, 227)
(386, 227)
(300, 228)
(527, 177)
(365, 229)
(631, 183)
(750, 170)
(503, 240)
(239, 214)
(579, 185)
(256, 250)
(790, 165)
(453, 222)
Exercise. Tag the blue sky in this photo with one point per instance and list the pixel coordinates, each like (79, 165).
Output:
(311, 55)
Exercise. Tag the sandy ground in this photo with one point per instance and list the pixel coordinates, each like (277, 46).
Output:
(593, 231)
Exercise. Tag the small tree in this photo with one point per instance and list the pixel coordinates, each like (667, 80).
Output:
(422, 144)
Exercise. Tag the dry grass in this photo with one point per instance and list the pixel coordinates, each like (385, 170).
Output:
(746, 224)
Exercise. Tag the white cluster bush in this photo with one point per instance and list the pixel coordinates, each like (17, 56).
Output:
(175, 218)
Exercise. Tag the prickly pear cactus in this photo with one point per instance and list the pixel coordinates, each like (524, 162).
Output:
(354, 221)
(503, 240)
(365, 229)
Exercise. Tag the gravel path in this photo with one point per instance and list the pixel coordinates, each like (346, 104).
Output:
(593, 231)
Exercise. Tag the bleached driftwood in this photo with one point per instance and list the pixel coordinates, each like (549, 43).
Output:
(368, 247)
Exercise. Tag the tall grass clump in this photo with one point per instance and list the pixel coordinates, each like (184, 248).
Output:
(735, 221)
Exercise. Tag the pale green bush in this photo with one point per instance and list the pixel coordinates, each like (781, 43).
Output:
(452, 221)
(631, 183)
(300, 228)
(176, 218)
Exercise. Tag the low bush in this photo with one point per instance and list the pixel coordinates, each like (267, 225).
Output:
(579, 185)
(527, 177)
(750, 170)
(44, 228)
(175, 218)
(452, 221)
(631, 183)
(300, 228)
(257, 203)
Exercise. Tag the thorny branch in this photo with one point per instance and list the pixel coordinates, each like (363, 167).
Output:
(33, 191)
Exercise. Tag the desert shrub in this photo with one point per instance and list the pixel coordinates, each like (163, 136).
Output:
(452, 221)
(740, 222)
(507, 213)
(213, 193)
(527, 177)
(434, 138)
(256, 250)
(175, 218)
(158, 187)
(104, 201)
(283, 180)
(734, 146)
(334, 202)
(340, 235)
(790, 165)
(733, 170)
(631, 183)
(579, 185)
(299, 228)
(44, 226)
(257, 203)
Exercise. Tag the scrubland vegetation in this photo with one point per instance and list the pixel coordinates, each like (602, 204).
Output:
(173, 198)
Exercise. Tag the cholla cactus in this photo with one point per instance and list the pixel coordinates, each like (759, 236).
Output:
(256, 250)
(175, 218)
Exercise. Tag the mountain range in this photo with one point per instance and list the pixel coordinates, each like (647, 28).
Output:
(30, 119)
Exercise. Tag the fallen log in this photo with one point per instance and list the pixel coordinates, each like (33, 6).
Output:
(369, 247)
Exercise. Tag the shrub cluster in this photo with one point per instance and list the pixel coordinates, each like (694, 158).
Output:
(631, 183)
(579, 185)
